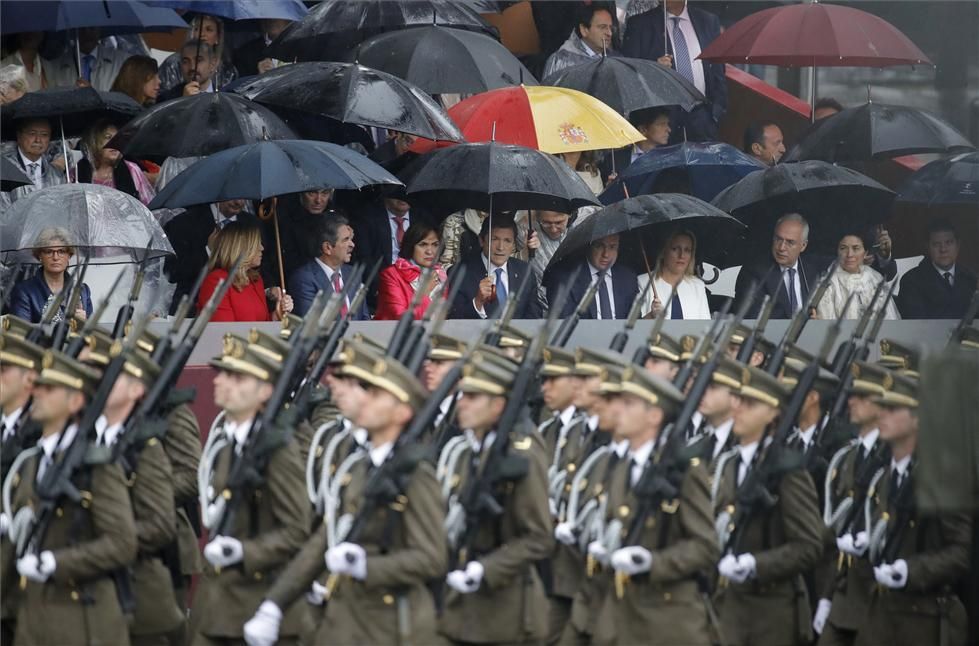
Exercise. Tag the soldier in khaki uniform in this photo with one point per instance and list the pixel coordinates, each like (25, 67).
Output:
(718, 406)
(761, 595)
(663, 356)
(442, 355)
(656, 599)
(270, 524)
(843, 603)
(378, 578)
(496, 595)
(918, 557)
(899, 357)
(68, 592)
(760, 353)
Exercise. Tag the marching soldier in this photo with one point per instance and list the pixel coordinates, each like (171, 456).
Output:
(272, 520)
(495, 595)
(844, 599)
(656, 599)
(663, 356)
(760, 353)
(68, 590)
(899, 357)
(761, 595)
(442, 355)
(918, 557)
(382, 596)
(718, 406)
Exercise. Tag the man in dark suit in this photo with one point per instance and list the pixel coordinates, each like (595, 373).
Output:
(484, 294)
(252, 58)
(199, 63)
(616, 291)
(298, 215)
(787, 276)
(192, 235)
(937, 288)
(691, 31)
(654, 125)
(329, 271)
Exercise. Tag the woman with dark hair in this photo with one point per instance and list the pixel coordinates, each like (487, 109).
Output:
(400, 281)
(852, 276)
(29, 298)
(139, 78)
(105, 166)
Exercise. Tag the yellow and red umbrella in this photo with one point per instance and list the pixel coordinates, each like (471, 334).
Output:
(549, 119)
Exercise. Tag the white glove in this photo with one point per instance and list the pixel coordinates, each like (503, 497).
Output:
(4, 524)
(746, 562)
(263, 628)
(860, 543)
(224, 551)
(632, 560)
(468, 580)
(822, 614)
(598, 552)
(349, 559)
(37, 568)
(316, 595)
(892, 575)
(565, 534)
(475, 572)
(735, 569)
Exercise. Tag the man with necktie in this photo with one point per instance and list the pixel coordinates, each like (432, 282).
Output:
(677, 42)
(328, 272)
(33, 139)
(939, 287)
(617, 284)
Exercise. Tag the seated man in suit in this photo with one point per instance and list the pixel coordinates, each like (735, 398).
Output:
(787, 276)
(192, 235)
(616, 291)
(654, 125)
(937, 288)
(691, 30)
(198, 63)
(29, 155)
(298, 214)
(483, 293)
(334, 237)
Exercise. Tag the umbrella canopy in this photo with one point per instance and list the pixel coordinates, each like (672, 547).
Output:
(262, 170)
(550, 119)
(240, 9)
(352, 93)
(944, 182)
(835, 200)
(506, 176)
(419, 56)
(74, 109)
(643, 224)
(112, 16)
(875, 130)
(198, 125)
(628, 84)
(334, 27)
(700, 169)
(11, 176)
(814, 35)
(102, 222)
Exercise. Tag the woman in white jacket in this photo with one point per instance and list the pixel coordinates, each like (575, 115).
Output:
(675, 285)
(852, 277)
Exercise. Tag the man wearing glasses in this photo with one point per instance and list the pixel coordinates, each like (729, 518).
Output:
(787, 276)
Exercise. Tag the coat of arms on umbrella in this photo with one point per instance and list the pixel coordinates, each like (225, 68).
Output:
(572, 134)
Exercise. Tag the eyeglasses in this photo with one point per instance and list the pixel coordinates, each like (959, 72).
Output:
(55, 252)
(782, 242)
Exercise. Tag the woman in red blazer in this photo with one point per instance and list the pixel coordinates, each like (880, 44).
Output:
(398, 283)
(246, 300)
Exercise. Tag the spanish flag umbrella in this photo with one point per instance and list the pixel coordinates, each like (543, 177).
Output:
(550, 119)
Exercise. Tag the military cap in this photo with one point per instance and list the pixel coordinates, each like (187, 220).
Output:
(58, 369)
(379, 348)
(870, 379)
(98, 344)
(511, 337)
(760, 386)
(762, 344)
(557, 362)
(728, 373)
(289, 323)
(589, 363)
(498, 357)
(647, 386)
(611, 380)
(239, 356)
(445, 348)
(138, 364)
(826, 382)
(903, 391)
(480, 376)
(898, 356)
(361, 362)
(970, 338)
(665, 347)
(267, 345)
(147, 340)
(688, 343)
(17, 351)
(16, 326)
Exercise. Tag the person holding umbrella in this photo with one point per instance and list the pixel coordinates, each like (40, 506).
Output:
(247, 299)
(399, 282)
(617, 284)
(24, 54)
(30, 297)
(100, 64)
(855, 277)
(592, 36)
(207, 29)
(199, 63)
(674, 281)
(105, 166)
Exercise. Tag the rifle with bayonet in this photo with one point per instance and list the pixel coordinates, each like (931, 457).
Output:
(399, 337)
(621, 337)
(758, 332)
(435, 316)
(60, 331)
(126, 311)
(844, 353)
(495, 335)
(642, 352)
(798, 322)
(9, 279)
(965, 322)
(567, 327)
(77, 342)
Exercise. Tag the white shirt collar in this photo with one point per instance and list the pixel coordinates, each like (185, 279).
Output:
(901, 465)
(794, 265)
(593, 422)
(220, 217)
(567, 415)
(588, 50)
(446, 404)
(50, 443)
(238, 432)
(10, 421)
(27, 162)
(620, 448)
(684, 15)
(392, 216)
(487, 261)
(360, 434)
(721, 433)
(380, 453)
(102, 429)
(329, 271)
(748, 452)
(593, 270)
(478, 446)
(870, 439)
(641, 455)
(807, 435)
(941, 272)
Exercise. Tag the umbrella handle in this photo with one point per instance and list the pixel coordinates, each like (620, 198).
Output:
(530, 230)
(267, 210)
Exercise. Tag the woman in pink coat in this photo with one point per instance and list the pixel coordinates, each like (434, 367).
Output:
(400, 281)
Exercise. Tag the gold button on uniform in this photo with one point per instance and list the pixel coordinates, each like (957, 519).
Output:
(388, 600)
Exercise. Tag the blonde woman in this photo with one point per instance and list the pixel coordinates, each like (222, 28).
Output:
(675, 285)
(30, 297)
(247, 299)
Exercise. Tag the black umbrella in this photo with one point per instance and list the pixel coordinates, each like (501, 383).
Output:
(478, 62)
(835, 200)
(334, 27)
(11, 176)
(269, 168)
(353, 93)
(643, 224)
(498, 177)
(944, 182)
(629, 84)
(74, 109)
(198, 125)
(876, 130)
